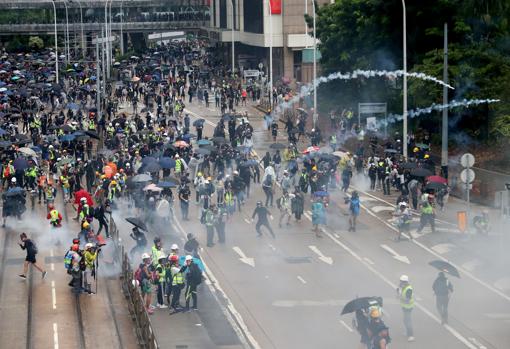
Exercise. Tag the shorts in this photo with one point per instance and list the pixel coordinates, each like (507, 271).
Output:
(30, 258)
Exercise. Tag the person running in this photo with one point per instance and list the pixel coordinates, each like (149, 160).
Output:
(262, 213)
(403, 220)
(318, 215)
(354, 210)
(29, 246)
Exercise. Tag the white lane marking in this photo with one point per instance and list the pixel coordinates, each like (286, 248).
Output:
(271, 217)
(395, 254)
(243, 258)
(301, 279)
(272, 247)
(368, 260)
(51, 252)
(322, 257)
(378, 209)
(477, 343)
(498, 316)
(337, 235)
(55, 335)
(247, 220)
(443, 248)
(52, 266)
(53, 295)
(233, 316)
(346, 326)
(309, 212)
(472, 264)
(289, 303)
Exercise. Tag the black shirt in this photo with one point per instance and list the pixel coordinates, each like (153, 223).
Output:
(262, 212)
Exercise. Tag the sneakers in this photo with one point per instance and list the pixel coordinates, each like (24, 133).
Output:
(44, 274)
(23, 276)
(410, 339)
(162, 306)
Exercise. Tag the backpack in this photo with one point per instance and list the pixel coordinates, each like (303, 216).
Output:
(268, 181)
(68, 259)
(34, 248)
(138, 275)
(195, 275)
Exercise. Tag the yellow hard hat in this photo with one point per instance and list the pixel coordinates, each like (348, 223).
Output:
(416, 149)
(199, 174)
(86, 224)
(427, 156)
(114, 182)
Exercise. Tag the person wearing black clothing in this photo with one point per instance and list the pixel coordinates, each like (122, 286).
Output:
(141, 241)
(100, 215)
(193, 279)
(191, 246)
(29, 246)
(184, 194)
(442, 288)
(262, 212)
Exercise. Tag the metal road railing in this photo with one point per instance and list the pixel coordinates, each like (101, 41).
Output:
(143, 328)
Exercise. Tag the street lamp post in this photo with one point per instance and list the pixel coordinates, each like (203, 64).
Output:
(270, 57)
(121, 23)
(67, 33)
(404, 114)
(83, 48)
(56, 41)
(233, 30)
(315, 114)
(106, 38)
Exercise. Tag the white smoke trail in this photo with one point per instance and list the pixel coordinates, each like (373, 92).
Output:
(439, 107)
(305, 90)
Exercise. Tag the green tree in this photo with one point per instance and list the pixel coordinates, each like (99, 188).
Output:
(35, 43)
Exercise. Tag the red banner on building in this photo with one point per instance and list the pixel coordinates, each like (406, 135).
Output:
(276, 7)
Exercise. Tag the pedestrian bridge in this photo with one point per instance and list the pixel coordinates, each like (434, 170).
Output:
(37, 16)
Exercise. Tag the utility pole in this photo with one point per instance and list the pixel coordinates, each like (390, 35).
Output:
(56, 41)
(98, 81)
(233, 30)
(315, 114)
(404, 114)
(444, 138)
(270, 57)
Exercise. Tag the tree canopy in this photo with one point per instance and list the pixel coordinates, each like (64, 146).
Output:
(367, 34)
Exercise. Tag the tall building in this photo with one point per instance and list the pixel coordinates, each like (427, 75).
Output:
(252, 22)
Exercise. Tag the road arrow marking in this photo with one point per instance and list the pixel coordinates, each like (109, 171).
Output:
(395, 255)
(346, 326)
(443, 248)
(301, 279)
(243, 258)
(322, 257)
(369, 261)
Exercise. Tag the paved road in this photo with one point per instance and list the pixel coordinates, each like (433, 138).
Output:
(292, 296)
(40, 313)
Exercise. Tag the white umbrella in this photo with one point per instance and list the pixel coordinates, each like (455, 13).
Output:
(152, 187)
(27, 151)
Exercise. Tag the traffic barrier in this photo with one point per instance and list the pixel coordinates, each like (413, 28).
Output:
(143, 328)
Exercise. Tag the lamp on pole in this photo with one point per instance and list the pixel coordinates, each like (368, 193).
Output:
(315, 114)
(56, 41)
(121, 23)
(67, 34)
(404, 113)
(270, 57)
(110, 47)
(233, 41)
(106, 38)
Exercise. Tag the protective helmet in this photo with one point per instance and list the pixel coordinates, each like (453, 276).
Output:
(145, 256)
(162, 257)
(86, 224)
(404, 278)
(403, 203)
(13, 179)
(113, 182)
(173, 258)
(75, 247)
(199, 174)
(259, 203)
(89, 245)
(83, 200)
(189, 258)
(427, 156)
(157, 239)
(174, 247)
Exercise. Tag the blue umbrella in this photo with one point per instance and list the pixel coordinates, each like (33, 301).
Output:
(203, 142)
(36, 149)
(167, 185)
(20, 164)
(73, 106)
(3, 132)
(167, 163)
(67, 138)
(14, 191)
(321, 193)
(148, 159)
(197, 261)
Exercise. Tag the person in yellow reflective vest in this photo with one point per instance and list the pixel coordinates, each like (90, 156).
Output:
(66, 187)
(31, 176)
(160, 280)
(54, 216)
(84, 212)
(110, 130)
(92, 125)
(113, 190)
(406, 294)
(427, 215)
(177, 282)
(50, 193)
(90, 255)
(156, 251)
(7, 173)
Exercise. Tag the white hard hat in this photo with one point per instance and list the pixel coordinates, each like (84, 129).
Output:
(404, 278)
(189, 258)
(403, 203)
(174, 247)
(89, 245)
(13, 179)
(145, 256)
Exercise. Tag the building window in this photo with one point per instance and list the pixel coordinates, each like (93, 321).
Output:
(223, 13)
(214, 12)
(254, 16)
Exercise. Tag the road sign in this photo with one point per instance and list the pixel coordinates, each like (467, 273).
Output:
(467, 175)
(467, 160)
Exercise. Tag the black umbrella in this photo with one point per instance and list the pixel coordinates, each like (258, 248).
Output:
(199, 122)
(167, 184)
(5, 144)
(92, 134)
(151, 167)
(219, 140)
(361, 303)
(203, 151)
(14, 192)
(391, 151)
(137, 222)
(408, 165)
(421, 172)
(446, 267)
(20, 164)
(277, 146)
(141, 178)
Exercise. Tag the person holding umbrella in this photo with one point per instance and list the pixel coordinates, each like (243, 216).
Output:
(442, 288)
